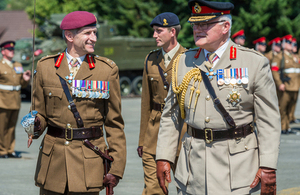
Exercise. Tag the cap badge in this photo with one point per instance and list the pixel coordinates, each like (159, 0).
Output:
(165, 22)
(11, 44)
(197, 8)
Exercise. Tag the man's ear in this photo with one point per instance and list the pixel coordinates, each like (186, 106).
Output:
(69, 35)
(226, 27)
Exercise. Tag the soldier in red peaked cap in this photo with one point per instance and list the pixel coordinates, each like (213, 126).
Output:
(274, 55)
(239, 37)
(12, 78)
(296, 58)
(217, 89)
(76, 94)
(260, 44)
(286, 76)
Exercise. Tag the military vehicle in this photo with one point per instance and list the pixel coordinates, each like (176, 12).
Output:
(127, 52)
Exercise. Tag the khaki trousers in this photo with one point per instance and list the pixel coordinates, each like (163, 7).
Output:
(151, 186)
(8, 121)
(47, 192)
(287, 99)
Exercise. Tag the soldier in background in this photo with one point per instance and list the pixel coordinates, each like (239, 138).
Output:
(296, 58)
(76, 95)
(239, 37)
(286, 77)
(260, 45)
(274, 52)
(12, 79)
(156, 83)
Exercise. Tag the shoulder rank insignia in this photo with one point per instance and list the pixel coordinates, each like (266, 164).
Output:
(232, 53)
(58, 62)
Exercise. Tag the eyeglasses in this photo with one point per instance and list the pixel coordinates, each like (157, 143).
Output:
(278, 44)
(241, 37)
(10, 49)
(204, 26)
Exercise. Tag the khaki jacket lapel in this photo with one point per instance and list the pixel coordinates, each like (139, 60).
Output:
(84, 70)
(63, 69)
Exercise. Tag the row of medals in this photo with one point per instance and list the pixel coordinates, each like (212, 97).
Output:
(85, 92)
(233, 77)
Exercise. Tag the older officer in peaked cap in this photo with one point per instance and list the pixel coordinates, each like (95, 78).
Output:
(239, 37)
(217, 89)
(156, 82)
(12, 78)
(76, 94)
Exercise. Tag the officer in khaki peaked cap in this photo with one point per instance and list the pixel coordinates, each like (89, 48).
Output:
(239, 37)
(156, 82)
(76, 94)
(217, 89)
(12, 78)
(260, 44)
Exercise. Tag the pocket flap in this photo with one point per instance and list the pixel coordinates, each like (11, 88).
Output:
(48, 144)
(243, 144)
(50, 91)
(89, 153)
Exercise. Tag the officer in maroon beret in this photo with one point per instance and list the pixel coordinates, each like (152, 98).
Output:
(76, 95)
(12, 78)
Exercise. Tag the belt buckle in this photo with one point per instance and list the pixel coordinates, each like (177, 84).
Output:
(66, 132)
(211, 136)
(162, 107)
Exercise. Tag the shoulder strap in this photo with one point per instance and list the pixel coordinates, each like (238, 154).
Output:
(217, 101)
(72, 104)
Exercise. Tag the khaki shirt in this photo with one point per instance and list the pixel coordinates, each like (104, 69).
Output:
(60, 163)
(9, 76)
(225, 166)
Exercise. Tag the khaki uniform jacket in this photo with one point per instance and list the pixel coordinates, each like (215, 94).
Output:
(229, 166)
(75, 164)
(293, 84)
(153, 91)
(8, 76)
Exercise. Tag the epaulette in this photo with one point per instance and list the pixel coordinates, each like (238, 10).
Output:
(192, 49)
(105, 60)
(49, 56)
(239, 47)
(157, 51)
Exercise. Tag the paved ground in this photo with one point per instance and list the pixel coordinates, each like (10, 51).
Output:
(16, 176)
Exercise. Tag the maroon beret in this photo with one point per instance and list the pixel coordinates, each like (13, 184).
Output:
(78, 19)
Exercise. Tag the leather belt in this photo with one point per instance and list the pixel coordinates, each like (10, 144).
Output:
(210, 135)
(158, 107)
(70, 133)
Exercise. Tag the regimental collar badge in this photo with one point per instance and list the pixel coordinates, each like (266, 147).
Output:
(232, 53)
(165, 22)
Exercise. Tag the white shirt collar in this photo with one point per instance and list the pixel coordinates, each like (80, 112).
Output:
(172, 52)
(220, 50)
(69, 58)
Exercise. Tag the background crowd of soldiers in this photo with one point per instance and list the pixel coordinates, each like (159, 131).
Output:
(284, 60)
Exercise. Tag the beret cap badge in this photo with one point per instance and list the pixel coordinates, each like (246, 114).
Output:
(165, 22)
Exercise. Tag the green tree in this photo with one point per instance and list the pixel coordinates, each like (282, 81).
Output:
(3, 4)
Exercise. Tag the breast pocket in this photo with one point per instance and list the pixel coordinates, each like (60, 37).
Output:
(53, 98)
(154, 83)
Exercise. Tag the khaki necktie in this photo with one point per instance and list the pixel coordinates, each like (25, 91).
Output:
(166, 58)
(209, 63)
(74, 66)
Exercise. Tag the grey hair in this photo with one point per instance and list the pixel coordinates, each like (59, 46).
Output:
(73, 31)
(228, 18)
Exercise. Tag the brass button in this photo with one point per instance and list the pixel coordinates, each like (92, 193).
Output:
(165, 99)
(69, 107)
(151, 79)
(166, 74)
(83, 132)
(246, 147)
(67, 143)
(207, 119)
(165, 87)
(207, 97)
(50, 94)
(41, 147)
